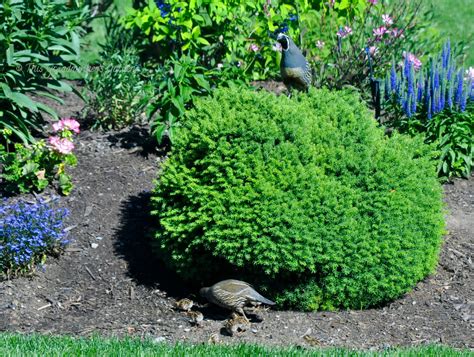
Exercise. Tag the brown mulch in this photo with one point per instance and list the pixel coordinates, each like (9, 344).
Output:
(108, 281)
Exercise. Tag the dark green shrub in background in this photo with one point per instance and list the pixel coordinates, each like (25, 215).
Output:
(37, 40)
(304, 196)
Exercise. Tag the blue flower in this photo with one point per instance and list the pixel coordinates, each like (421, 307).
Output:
(440, 85)
(164, 8)
(27, 232)
(293, 17)
(393, 78)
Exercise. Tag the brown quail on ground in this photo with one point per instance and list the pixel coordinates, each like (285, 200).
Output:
(234, 295)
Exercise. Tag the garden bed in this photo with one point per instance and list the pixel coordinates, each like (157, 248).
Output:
(109, 283)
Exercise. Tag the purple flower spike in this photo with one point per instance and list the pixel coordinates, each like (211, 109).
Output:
(446, 54)
(387, 88)
(393, 78)
(458, 94)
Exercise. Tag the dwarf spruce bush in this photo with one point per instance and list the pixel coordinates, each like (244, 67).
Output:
(302, 196)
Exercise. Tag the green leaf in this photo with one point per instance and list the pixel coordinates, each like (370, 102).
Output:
(203, 41)
(202, 82)
(23, 101)
(29, 167)
(159, 131)
(10, 55)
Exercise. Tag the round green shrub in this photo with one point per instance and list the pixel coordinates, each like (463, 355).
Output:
(304, 196)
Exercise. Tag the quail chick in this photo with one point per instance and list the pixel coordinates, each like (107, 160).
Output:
(214, 339)
(184, 304)
(233, 295)
(294, 68)
(236, 324)
(195, 317)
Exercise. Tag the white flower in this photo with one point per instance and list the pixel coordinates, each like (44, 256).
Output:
(470, 74)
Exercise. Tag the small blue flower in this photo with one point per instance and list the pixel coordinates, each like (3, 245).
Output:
(27, 232)
(393, 78)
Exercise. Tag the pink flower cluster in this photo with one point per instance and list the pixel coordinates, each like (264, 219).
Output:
(64, 145)
(373, 2)
(413, 59)
(344, 32)
(61, 145)
(380, 31)
(67, 124)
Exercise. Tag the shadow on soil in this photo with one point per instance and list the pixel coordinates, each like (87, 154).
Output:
(135, 244)
(138, 137)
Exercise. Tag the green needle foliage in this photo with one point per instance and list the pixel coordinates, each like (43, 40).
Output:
(305, 197)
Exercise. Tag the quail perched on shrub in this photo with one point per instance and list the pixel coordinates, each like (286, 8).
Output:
(234, 295)
(295, 70)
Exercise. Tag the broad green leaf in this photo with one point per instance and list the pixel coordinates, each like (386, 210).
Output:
(29, 167)
(23, 101)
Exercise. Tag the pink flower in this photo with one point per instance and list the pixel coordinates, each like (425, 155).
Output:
(373, 51)
(470, 74)
(413, 59)
(254, 48)
(320, 44)
(68, 123)
(380, 31)
(387, 20)
(61, 145)
(277, 47)
(397, 33)
(373, 2)
(58, 126)
(344, 32)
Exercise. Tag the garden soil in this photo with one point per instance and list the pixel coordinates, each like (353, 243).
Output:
(109, 283)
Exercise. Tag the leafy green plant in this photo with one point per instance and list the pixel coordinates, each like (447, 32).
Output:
(180, 81)
(32, 167)
(435, 99)
(341, 36)
(334, 34)
(37, 39)
(220, 33)
(306, 189)
(117, 91)
(453, 134)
